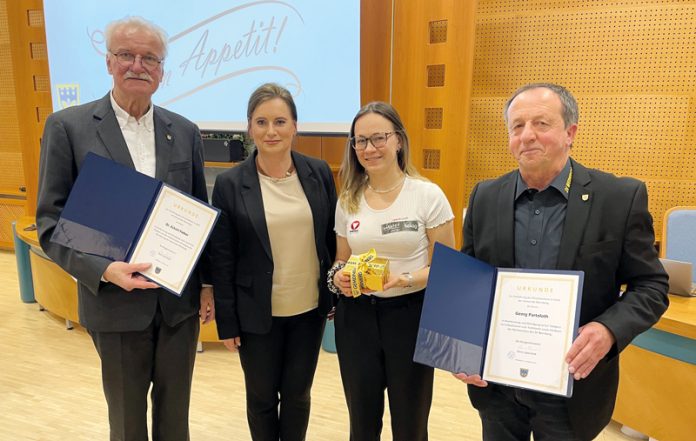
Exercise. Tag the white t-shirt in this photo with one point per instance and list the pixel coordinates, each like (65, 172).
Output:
(397, 232)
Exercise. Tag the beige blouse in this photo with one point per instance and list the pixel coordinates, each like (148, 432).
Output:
(291, 232)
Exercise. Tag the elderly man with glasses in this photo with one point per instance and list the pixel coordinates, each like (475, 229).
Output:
(145, 336)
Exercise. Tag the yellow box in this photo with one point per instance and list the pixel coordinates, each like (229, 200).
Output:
(367, 271)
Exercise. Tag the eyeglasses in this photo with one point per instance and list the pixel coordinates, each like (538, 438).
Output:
(378, 141)
(126, 59)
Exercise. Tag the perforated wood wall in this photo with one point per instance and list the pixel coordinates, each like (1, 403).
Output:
(431, 71)
(630, 63)
(32, 84)
(25, 102)
(11, 173)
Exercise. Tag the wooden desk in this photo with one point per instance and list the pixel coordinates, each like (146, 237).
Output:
(29, 237)
(680, 318)
(657, 389)
(56, 291)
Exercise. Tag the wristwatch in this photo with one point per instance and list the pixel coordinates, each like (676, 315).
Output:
(409, 278)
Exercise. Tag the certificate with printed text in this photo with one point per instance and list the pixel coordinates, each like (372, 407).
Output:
(173, 238)
(116, 212)
(533, 324)
(510, 326)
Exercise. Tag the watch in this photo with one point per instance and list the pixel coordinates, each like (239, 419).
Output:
(409, 278)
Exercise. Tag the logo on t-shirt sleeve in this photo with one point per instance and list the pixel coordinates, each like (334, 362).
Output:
(395, 227)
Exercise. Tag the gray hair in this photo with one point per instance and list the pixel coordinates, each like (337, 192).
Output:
(570, 105)
(137, 23)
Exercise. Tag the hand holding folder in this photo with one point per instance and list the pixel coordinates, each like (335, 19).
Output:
(115, 212)
(505, 325)
(126, 275)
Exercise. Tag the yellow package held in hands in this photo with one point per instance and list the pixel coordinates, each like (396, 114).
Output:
(366, 271)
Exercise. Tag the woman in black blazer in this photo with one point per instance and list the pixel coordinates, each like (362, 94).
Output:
(270, 247)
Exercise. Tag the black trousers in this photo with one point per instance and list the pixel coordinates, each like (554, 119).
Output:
(131, 361)
(278, 372)
(375, 340)
(513, 414)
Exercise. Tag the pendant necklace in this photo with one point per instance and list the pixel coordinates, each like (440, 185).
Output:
(288, 173)
(398, 184)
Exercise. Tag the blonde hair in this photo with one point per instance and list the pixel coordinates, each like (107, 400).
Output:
(352, 174)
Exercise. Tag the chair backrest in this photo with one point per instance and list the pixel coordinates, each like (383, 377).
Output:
(679, 235)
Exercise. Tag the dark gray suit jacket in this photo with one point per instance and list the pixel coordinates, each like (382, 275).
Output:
(608, 234)
(68, 136)
(242, 261)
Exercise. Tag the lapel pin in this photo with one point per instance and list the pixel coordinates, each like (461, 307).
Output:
(585, 197)
(169, 137)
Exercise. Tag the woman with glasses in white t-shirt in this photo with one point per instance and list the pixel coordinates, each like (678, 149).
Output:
(386, 205)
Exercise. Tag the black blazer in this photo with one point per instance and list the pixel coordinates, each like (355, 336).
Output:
(68, 136)
(242, 263)
(608, 234)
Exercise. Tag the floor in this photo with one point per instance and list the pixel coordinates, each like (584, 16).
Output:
(50, 386)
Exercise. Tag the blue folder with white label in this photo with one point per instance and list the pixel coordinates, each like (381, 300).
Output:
(511, 326)
(116, 212)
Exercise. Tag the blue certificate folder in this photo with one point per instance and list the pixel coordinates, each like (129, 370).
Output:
(456, 316)
(107, 208)
(456, 312)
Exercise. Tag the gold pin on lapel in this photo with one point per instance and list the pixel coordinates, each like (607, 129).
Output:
(169, 137)
(585, 197)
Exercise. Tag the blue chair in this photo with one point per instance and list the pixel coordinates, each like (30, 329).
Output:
(679, 235)
(26, 284)
(328, 342)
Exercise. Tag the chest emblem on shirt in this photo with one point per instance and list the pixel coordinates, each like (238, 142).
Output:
(395, 227)
(354, 226)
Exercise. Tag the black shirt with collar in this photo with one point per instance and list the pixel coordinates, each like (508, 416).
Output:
(539, 218)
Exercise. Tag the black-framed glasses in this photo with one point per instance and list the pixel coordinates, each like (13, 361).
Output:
(378, 141)
(127, 59)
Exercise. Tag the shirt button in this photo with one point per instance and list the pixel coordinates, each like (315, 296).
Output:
(533, 242)
(537, 211)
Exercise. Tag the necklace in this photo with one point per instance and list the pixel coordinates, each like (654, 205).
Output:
(288, 172)
(398, 184)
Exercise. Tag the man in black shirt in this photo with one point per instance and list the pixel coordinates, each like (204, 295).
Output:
(553, 213)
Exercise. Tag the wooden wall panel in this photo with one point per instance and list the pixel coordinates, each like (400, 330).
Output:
(12, 182)
(431, 88)
(10, 211)
(328, 148)
(11, 173)
(332, 149)
(9, 125)
(375, 50)
(25, 30)
(632, 66)
(308, 145)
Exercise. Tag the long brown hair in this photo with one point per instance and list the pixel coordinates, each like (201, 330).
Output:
(352, 173)
(269, 91)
